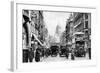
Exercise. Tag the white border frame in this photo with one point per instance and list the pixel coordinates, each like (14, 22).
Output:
(16, 61)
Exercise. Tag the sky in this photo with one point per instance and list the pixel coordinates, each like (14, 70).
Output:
(52, 19)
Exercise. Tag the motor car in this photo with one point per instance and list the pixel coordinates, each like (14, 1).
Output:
(54, 50)
(64, 52)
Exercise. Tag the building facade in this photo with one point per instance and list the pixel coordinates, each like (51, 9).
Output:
(82, 24)
(79, 23)
(69, 30)
(33, 21)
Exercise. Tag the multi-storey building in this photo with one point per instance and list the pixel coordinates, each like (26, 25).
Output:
(82, 25)
(33, 19)
(69, 30)
(79, 23)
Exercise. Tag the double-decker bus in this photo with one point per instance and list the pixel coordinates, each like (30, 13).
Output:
(79, 50)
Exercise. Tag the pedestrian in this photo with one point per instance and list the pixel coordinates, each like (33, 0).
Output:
(43, 52)
(72, 54)
(89, 49)
(32, 45)
(67, 53)
(30, 55)
(37, 55)
(25, 55)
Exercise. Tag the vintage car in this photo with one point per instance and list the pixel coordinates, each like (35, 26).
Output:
(64, 51)
(54, 50)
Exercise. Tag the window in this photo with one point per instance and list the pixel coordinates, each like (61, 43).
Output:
(86, 24)
(86, 16)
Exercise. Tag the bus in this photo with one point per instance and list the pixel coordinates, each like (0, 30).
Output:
(79, 50)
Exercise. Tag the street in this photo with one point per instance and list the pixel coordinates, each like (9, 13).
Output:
(58, 58)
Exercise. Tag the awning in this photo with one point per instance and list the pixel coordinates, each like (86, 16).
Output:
(76, 33)
(44, 45)
(38, 40)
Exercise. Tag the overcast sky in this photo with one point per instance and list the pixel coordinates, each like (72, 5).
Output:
(52, 19)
